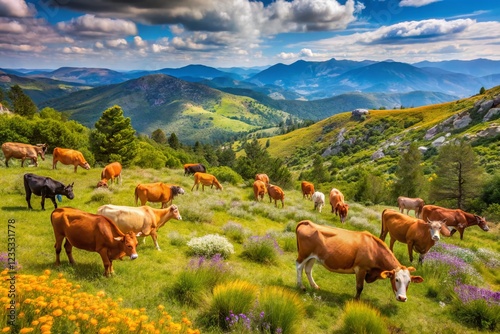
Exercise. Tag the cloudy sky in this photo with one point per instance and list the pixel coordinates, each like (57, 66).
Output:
(154, 34)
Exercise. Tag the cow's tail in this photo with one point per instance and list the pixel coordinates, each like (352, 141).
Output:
(102, 174)
(136, 195)
(383, 228)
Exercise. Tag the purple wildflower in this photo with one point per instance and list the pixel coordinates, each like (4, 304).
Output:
(468, 293)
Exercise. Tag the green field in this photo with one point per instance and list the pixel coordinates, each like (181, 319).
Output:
(148, 281)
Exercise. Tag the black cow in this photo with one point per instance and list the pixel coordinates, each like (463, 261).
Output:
(194, 169)
(45, 187)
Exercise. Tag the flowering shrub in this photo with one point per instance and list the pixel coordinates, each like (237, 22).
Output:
(477, 307)
(261, 249)
(209, 245)
(45, 304)
(235, 231)
(467, 293)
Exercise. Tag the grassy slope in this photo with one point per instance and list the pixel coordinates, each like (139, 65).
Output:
(146, 281)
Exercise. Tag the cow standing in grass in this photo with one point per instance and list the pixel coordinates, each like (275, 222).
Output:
(23, 152)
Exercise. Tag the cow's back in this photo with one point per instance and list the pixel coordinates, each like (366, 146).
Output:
(111, 170)
(397, 224)
(336, 197)
(128, 219)
(434, 212)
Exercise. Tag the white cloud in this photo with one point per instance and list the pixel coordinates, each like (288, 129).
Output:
(119, 43)
(15, 8)
(286, 56)
(139, 42)
(11, 27)
(416, 3)
(22, 47)
(77, 50)
(91, 26)
(304, 53)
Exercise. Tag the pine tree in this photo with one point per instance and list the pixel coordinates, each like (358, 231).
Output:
(114, 137)
(458, 173)
(22, 103)
(173, 141)
(409, 173)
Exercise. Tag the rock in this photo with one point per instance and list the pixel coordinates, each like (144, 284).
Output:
(422, 149)
(492, 113)
(360, 112)
(492, 131)
(439, 142)
(378, 155)
(485, 106)
(431, 132)
(462, 122)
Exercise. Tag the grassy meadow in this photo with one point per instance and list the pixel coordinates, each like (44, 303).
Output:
(149, 281)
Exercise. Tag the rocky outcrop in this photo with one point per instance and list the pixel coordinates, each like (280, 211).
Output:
(357, 113)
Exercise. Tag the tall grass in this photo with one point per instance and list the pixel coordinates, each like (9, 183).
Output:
(360, 318)
(261, 249)
(282, 310)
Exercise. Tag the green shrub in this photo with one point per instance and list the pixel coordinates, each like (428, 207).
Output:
(235, 297)
(235, 232)
(226, 174)
(176, 239)
(360, 318)
(101, 196)
(283, 310)
(261, 249)
(477, 313)
(209, 245)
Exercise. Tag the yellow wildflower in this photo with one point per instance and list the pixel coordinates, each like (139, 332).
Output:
(93, 321)
(46, 328)
(26, 330)
(161, 307)
(57, 312)
(35, 322)
(5, 329)
(46, 272)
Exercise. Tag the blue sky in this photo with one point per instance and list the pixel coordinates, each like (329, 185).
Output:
(154, 34)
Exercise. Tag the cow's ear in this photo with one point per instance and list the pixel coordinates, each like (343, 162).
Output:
(118, 238)
(138, 234)
(387, 274)
(411, 269)
(416, 279)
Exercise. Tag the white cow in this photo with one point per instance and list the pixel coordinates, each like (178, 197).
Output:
(318, 199)
(143, 219)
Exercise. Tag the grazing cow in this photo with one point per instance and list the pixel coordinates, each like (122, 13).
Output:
(45, 187)
(277, 194)
(259, 190)
(456, 219)
(110, 172)
(350, 252)
(318, 199)
(23, 152)
(262, 177)
(143, 219)
(307, 189)
(69, 157)
(339, 207)
(205, 180)
(157, 192)
(194, 168)
(416, 233)
(415, 204)
(93, 233)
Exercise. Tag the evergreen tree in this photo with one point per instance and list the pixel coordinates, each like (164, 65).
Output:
(22, 103)
(173, 141)
(458, 175)
(159, 136)
(409, 173)
(482, 90)
(114, 137)
(226, 157)
(318, 172)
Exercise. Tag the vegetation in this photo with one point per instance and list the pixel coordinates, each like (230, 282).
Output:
(409, 173)
(22, 103)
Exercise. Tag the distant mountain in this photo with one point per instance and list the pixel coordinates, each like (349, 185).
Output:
(476, 67)
(196, 71)
(40, 89)
(194, 112)
(86, 76)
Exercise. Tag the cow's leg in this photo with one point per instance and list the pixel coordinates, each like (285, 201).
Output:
(461, 231)
(57, 246)
(155, 239)
(7, 161)
(360, 277)
(300, 269)
(54, 201)
(43, 201)
(282, 204)
(410, 250)
(28, 198)
(105, 261)
(76, 166)
(164, 205)
(22, 161)
(308, 269)
(54, 164)
(68, 247)
(421, 258)
(391, 246)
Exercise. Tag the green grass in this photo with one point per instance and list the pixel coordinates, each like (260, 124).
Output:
(149, 280)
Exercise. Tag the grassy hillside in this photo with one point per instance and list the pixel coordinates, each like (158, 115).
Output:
(149, 281)
(194, 112)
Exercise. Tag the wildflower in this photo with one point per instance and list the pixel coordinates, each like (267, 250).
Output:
(57, 312)
(72, 317)
(46, 328)
(161, 307)
(46, 272)
(93, 321)
(5, 329)
(26, 330)
(35, 322)
(101, 294)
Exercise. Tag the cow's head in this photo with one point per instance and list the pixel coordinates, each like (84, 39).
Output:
(342, 209)
(102, 184)
(218, 186)
(130, 244)
(176, 190)
(481, 222)
(436, 227)
(175, 212)
(85, 165)
(68, 191)
(400, 280)
(43, 148)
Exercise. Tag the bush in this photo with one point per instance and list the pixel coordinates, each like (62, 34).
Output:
(209, 245)
(149, 157)
(235, 232)
(101, 196)
(261, 249)
(200, 276)
(360, 318)
(477, 313)
(226, 174)
(176, 239)
(282, 309)
(235, 297)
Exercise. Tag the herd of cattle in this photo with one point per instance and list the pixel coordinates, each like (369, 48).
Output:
(113, 231)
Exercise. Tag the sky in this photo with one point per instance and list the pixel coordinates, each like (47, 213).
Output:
(153, 34)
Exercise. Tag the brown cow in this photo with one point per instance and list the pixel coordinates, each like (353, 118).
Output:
(157, 192)
(110, 172)
(350, 252)
(93, 233)
(259, 190)
(262, 177)
(143, 219)
(416, 233)
(456, 219)
(193, 168)
(307, 189)
(277, 194)
(339, 207)
(415, 204)
(23, 152)
(206, 180)
(69, 157)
